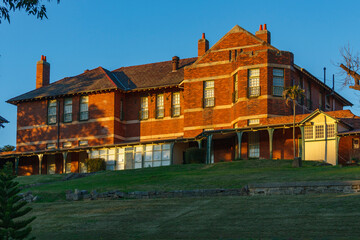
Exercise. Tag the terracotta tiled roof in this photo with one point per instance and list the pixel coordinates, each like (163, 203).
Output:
(125, 78)
(152, 75)
(345, 116)
(92, 80)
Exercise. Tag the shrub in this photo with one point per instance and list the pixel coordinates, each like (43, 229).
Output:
(195, 155)
(95, 164)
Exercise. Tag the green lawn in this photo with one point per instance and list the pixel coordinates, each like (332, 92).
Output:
(194, 176)
(327, 216)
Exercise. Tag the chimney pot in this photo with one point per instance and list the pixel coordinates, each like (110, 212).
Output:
(265, 28)
(175, 63)
(203, 36)
(260, 27)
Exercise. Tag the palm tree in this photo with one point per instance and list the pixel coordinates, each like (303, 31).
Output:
(292, 94)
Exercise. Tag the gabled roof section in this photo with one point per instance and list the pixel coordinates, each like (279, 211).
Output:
(338, 96)
(97, 79)
(152, 75)
(344, 116)
(235, 29)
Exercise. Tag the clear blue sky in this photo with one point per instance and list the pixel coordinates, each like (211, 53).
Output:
(85, 34)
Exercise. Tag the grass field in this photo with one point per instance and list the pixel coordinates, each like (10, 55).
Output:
(327, 216)
(187, 177)
(272, 217)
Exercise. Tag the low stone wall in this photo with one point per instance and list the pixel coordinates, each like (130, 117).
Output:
(294, 188)
(93, 195)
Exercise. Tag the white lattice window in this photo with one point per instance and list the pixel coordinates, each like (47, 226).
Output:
(84, 108)
(160, 106)
(330, 130)
(52, 112)
(209, 96)
(68, 110)
(254, 82)
(175, 104)
(309, 132)
(253, 121)
(319, 131)
(144, 105)
(278, 81)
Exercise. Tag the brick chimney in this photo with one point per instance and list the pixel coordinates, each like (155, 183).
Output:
(203, 45)
(264, 34)
(175, 63)
(42, 72)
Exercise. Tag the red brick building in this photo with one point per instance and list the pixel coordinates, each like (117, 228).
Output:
(227, 100)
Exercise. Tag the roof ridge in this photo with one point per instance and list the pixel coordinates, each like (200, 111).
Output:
(181, 59)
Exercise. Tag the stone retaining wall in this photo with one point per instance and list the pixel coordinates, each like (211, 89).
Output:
(292, 188)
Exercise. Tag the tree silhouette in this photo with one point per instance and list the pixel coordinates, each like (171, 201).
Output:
(292, 94)
(31, 7)
(12, 207)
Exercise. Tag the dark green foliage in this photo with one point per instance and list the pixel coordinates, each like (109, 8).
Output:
(195, 155)
(95, 164)
(7, 148)
(12, 207)
(31, 7)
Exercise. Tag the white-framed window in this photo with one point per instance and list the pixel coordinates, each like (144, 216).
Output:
(50, 145)
(254, 82)
(254, 145)
(67, 109)
(66, 144)
(319, 131)
(138, 156)
(309, 132)
(253, 121)
(144, 108)
(236, 87)
(160, 106)
(175, 108)
(209, 95)
(330, 130)
(83, 143)
(52, 111)
(148, 156)
(278, 81)
(108, 155)
(84, 108)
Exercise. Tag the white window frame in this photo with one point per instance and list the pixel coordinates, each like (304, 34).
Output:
(84, 108)
(52, 112)
(176, 107)
(144, 108)
(209, 93)
(67, 110)
(160, 110)
(254, 82)
(278, 81)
